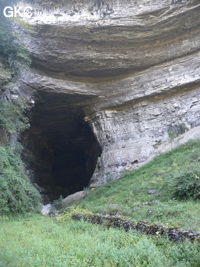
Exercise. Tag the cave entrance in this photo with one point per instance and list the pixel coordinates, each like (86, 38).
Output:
(60, 147)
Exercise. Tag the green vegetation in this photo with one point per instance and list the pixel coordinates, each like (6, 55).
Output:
(11, 46)
(175, 178)
(34, 240)
(174, 131)
(12, 117)
(41, 241)
(16, 192)
(5, 75)
(187, 185)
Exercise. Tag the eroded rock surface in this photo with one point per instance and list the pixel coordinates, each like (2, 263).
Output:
(174, 234)
(134, 66)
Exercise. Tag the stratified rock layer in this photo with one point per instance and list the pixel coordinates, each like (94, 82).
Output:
(133, 64)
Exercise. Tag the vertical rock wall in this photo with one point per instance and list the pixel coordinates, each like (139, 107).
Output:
(133, 135)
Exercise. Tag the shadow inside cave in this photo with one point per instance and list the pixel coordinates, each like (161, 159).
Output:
(61, 150)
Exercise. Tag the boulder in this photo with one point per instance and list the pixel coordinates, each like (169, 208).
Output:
(74, 197)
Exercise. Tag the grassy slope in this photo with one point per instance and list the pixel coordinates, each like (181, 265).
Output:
(131, 190)
(41, 241)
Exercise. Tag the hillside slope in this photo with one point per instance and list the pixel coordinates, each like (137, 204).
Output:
(34, 240)
(166, 190)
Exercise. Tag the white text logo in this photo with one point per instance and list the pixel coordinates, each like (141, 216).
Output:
(23, 12)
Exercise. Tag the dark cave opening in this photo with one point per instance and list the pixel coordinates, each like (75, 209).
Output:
(61, 150)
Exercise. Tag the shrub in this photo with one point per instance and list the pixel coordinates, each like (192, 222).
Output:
(12, 117)
(17, 194)
(69, 211)
(174, 131)
(11, 46)
(187, 185)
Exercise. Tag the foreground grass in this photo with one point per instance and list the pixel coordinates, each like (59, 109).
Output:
(131, 191)
(41, 241)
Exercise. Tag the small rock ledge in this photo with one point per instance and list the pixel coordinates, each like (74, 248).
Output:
(141, 226)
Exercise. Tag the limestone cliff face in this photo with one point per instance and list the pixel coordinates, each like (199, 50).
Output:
(132, 67)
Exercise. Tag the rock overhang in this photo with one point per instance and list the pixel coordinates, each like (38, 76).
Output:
(135, 66)
(133, 38)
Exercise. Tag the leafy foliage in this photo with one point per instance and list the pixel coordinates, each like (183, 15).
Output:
(17, 194)
(69, 211)
(187, 185)
(11, 46)
(12, 117)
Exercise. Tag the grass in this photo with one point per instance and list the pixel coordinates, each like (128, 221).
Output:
(41, 241)
(34, 240)
(132, 190)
